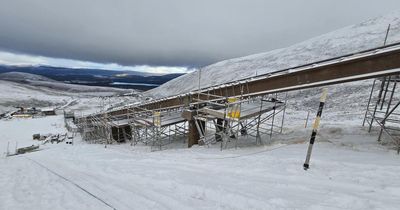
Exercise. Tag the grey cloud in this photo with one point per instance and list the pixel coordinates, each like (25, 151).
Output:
(174, 32)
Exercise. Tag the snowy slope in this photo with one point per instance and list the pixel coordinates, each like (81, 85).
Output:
(349, 170)
(41, 81)
(363, 36)
(55, 94)
(20, 76)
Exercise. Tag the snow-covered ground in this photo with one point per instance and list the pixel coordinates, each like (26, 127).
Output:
(82, 99)
(349, 170)
(18, 132)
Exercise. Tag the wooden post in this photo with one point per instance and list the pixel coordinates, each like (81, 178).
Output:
(193, 136)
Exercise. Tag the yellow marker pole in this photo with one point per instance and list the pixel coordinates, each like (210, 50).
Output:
(306, 164)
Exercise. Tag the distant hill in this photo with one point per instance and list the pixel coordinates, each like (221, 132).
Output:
(33, 81)
(20, 77)
(95, 77)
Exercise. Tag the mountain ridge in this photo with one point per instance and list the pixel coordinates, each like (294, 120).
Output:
(351, 39)
(94, 77)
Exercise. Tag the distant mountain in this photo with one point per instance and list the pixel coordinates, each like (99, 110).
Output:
(95, 77)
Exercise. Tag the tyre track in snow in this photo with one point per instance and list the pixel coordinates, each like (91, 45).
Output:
(73, 183)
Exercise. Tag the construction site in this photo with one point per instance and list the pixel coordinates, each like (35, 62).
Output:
(251, 107)
(244, 105)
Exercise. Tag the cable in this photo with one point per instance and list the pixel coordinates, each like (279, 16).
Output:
(76, 185)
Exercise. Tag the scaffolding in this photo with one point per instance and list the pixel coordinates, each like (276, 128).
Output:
(217, 120)
(225, 121)
(95, 130)
(157, 128)
(382, 110)
(154, 128)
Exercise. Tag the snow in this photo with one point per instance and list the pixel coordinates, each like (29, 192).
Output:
(20, 76)
(44, 82)
(349, 170)
(359, 37)
(82, 99)
(20, 131)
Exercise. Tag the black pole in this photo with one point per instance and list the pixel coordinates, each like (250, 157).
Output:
(387, 34)
(306, 164)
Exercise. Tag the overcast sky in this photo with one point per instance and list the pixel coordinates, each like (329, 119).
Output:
(168, 34)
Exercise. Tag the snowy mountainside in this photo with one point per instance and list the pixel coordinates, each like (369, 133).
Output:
(42, 94)
(351, 39)
(20, 76)
(41, 81)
